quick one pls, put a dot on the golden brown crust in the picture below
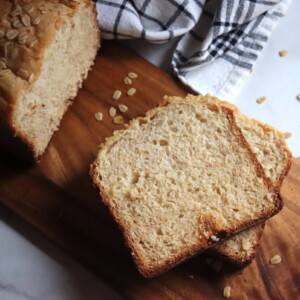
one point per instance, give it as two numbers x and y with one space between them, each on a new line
144 269
237 260
27 29
34 24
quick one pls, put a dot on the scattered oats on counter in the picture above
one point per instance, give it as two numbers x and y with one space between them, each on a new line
283 53
275 260
261 100
226 291
99 116
287 135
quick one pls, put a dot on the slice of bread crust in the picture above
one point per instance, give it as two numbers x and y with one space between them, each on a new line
167 219
270 148
239 249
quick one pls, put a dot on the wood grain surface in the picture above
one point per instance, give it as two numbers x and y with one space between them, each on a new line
58 198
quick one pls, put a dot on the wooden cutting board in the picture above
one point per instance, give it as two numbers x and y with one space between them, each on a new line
57 197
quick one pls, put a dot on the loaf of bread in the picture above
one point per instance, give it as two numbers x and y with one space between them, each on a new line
46 51
181 179
271 150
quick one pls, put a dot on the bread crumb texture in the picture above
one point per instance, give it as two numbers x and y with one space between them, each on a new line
271 151
177 177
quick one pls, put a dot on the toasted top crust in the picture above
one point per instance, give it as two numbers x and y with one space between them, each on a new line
27 28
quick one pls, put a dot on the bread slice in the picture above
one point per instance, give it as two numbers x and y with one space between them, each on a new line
271 151
46 51
180 179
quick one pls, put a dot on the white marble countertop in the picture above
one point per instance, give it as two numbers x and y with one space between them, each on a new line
34 268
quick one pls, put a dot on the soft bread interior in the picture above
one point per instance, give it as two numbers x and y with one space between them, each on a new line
66 63
241 246
175 178
268 145
271 151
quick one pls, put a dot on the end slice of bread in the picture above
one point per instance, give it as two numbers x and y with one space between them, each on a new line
44 67
179 180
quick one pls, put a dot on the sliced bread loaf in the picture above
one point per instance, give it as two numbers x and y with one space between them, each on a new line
271 151
46 51
180 179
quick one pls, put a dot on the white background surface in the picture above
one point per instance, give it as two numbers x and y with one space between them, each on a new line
33 268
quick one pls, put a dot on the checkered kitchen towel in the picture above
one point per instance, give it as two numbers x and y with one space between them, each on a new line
219 39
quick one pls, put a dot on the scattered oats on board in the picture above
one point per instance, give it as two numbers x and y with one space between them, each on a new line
127 80
118 120
261 99
123 108
283 53
287 135
99 116
117 94
226 291
132 75
131 91
275 260
112 111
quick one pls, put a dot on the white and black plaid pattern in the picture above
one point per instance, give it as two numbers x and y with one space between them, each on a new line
231 30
